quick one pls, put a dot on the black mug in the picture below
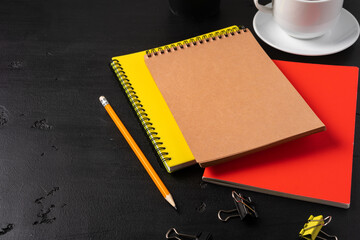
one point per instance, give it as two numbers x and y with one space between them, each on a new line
200 8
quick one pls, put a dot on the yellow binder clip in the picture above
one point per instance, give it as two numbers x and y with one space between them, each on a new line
313 227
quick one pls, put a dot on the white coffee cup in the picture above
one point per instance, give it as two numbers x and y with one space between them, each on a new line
304 19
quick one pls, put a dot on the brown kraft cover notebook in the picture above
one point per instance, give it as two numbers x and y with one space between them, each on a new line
228 97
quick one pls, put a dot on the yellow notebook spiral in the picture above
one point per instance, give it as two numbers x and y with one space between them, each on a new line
140 111
196 40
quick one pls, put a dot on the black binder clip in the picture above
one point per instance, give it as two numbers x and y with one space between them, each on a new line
244 207
173 234
313 227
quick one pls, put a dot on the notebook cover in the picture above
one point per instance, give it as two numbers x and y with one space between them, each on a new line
229 99
315 168
145 98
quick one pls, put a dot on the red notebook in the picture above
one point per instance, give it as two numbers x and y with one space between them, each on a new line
316 168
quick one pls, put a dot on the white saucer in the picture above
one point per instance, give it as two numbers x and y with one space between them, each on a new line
341 36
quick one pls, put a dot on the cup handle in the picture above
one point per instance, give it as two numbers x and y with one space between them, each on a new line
262 8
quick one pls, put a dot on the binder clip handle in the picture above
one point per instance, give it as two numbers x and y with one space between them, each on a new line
313 228
228 217
244 207
327 220
172 233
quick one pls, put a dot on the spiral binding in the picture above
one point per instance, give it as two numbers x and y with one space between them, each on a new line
140 111
195 41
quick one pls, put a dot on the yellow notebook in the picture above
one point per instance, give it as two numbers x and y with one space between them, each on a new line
150 106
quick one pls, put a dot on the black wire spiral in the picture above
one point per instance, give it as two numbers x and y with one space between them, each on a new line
140 111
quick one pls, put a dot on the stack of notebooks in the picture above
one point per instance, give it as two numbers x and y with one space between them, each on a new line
316 168
218 97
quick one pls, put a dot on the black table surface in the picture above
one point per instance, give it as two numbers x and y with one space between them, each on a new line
65 170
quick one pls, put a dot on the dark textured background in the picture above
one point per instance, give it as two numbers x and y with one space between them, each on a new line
75 177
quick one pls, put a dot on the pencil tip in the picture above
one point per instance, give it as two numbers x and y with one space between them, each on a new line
170 200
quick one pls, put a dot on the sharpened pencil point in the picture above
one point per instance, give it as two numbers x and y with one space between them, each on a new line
170 200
